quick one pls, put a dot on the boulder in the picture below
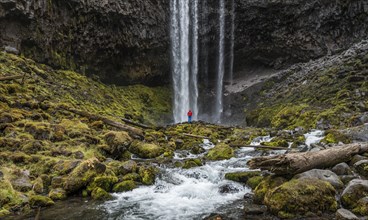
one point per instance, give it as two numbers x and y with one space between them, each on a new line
220 152
325 175
104 182
146 150
38 185
362 167
125 186
192 163
356 159
100 194
83 174
20 181
40 201
57 194
355 191
344 214
362 207
117 142
265 186
65 167
342 169
300 197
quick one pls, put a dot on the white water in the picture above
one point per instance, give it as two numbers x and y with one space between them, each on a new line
184 59
231 71
314 137
221 65
182 194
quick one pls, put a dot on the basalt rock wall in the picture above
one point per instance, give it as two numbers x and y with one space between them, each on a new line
120 41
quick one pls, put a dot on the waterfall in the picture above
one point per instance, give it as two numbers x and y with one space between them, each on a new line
221 65
231 68
184 55
194 67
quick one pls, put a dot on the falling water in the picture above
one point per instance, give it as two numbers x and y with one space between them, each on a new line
221 65
231 69
194 69
184 54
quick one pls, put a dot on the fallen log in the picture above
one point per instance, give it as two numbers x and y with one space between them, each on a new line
132 130
195 136
136 124
294 163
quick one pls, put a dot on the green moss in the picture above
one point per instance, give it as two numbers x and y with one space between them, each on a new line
4 212
192 163
242 177
146 150
8 196
334 136
220 152
148 175
40 201
299 197
276 142
57 194
125 186
266 186
132 176
104 182
253 182
362 207
100 194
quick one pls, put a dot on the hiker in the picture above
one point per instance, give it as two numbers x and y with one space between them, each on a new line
190 113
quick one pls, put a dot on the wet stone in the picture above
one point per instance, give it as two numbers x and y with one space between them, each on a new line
344 214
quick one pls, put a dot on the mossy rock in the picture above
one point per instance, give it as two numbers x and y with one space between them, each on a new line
361 207
146 150
100 194
253 182
40 201
104 182
362 167
4 212
83 174
58 194
354 191
220 152
125 186
297 198
148 175
276 142
242 177
39 130
117 142
8 196
335 137
266 186
192 163
38 185
132 176
65 167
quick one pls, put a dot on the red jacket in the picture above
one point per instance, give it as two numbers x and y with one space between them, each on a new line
190 113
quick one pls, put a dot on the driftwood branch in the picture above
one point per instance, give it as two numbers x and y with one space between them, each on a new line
300 162
5 78
136 124
132 130
260 147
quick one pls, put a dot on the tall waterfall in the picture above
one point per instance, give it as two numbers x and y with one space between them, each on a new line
184 77
221 65
231 69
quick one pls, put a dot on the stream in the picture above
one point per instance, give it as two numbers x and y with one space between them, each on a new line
177 193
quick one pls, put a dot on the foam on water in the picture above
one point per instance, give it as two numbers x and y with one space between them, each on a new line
182 194
314 137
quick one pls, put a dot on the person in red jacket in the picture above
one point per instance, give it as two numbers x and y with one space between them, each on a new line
190 114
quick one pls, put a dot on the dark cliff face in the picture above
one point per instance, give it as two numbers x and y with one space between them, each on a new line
278 33
121 41
128 41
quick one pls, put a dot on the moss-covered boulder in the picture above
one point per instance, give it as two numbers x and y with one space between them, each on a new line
301 197
83 174
40 201
57 194
276 142
192 163
147 174
253 182
4 212
362 167
355 190
335 137
266 186
39 130
8 196
361 207
65 167
132 176
146 150
220 152
100 194
117 142
242 177
38 185
124 186
104 182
